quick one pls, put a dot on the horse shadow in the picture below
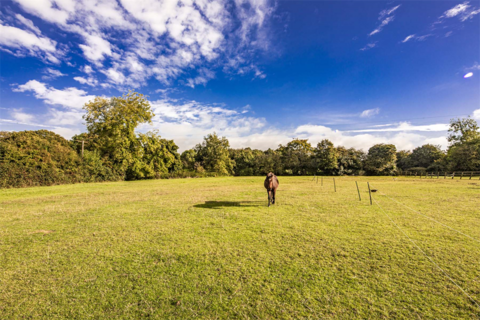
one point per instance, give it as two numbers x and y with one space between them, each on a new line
224 204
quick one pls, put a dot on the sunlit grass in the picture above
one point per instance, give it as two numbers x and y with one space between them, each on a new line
211 248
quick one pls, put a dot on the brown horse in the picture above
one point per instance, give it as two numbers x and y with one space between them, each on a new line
271 184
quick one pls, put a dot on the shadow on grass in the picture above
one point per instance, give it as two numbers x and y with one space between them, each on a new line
223 204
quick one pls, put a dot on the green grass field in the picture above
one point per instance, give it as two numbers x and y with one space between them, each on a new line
212 249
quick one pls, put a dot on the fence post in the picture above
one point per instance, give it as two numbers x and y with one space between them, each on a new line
358 190
369 192
470 176
334 185
461 176
453 175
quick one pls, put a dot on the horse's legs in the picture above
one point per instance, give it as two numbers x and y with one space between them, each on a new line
269 197
273 194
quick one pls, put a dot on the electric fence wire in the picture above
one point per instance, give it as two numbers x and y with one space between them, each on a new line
441 223
423 252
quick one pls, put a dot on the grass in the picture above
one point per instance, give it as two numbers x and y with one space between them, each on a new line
211 248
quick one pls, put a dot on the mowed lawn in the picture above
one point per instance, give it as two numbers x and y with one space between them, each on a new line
212 249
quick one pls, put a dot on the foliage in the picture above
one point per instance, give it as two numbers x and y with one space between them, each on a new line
403 160
463 130
464 156
295 156
381 160
112 150
157 156
111 125
213 155
426 156
350 161
325 157
188 159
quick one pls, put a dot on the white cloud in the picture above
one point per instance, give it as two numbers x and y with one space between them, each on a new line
468 75
463 11
476 66
96 48
412 36
416 38
402 140
476 114
91 81
387 12
71 98
204 75
405 126
87 69
455 11
28 43
52 74
131 41
370 113
28 23
386 17
382 25
369 46
20 116
187 122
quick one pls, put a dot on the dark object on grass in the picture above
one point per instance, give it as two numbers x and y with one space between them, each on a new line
374 190
271 184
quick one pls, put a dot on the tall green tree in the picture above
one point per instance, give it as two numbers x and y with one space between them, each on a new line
296 156
349 161
268 161
325 157
403 160
464 150
158 156
111 125
464 156
381 160
463 130
426 156
213 155
188 159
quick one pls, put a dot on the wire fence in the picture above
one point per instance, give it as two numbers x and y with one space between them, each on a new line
373 201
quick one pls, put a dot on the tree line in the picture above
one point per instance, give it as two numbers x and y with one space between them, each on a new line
111 150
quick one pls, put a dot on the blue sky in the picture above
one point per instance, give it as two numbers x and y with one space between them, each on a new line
259 72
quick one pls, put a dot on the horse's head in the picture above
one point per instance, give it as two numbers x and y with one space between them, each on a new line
270 175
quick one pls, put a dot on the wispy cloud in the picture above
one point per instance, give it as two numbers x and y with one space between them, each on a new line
386 16
370 113
414 37
52 74
462 11
408 38
369 46
405 126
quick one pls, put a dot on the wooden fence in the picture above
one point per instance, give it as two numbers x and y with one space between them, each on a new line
445 175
